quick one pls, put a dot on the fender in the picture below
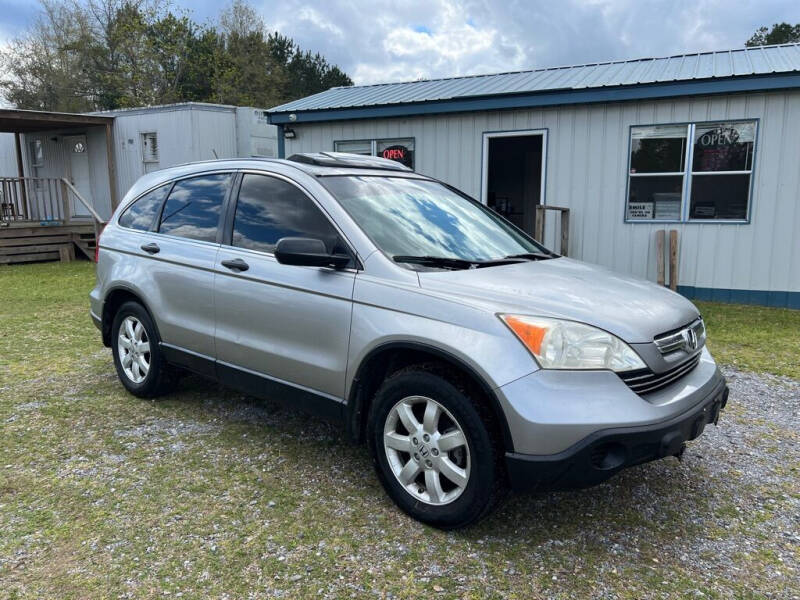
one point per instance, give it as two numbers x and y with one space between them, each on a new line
354 409
121 287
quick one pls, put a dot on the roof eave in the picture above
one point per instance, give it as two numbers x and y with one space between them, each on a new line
650 91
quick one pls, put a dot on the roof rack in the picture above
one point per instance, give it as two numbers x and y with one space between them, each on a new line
344 159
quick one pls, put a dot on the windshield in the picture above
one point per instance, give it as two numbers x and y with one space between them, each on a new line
419 218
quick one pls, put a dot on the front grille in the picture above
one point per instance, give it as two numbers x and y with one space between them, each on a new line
679 339
645 381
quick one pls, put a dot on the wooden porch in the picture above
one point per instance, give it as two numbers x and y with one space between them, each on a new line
43 219
47 218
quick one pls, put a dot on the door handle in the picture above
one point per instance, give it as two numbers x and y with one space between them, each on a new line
236 264
151 248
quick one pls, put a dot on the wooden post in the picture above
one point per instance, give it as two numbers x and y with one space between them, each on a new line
660 258
65 203
21 173
112 168
673 260
564 232
539 228
66 253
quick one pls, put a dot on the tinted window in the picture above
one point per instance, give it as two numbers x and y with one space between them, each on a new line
142 214
269 209
193 208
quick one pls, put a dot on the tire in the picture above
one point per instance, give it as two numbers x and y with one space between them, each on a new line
409 466
158 377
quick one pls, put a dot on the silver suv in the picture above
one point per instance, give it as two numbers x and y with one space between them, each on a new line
469 357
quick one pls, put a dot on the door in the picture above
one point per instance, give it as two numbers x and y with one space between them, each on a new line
280 324
513 175
179 257
79 173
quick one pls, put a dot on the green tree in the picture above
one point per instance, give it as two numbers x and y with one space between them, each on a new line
781 33
44 68
306 73
82 55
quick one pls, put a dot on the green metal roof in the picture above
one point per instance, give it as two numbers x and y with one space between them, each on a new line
750 64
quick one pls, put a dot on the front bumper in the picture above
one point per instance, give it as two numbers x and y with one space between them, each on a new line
603 453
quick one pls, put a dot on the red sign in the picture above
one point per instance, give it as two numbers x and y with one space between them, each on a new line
395 153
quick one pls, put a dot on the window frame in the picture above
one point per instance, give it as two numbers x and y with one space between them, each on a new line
377 140
230 215
143 136
688 172
36 151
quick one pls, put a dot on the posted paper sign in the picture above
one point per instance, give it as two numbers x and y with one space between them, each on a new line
640 210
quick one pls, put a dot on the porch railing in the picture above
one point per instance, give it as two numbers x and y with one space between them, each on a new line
33 199
42 199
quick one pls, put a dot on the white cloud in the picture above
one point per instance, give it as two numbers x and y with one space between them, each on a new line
382 40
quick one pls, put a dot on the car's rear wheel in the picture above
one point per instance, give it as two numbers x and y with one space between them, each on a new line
432 448
137 356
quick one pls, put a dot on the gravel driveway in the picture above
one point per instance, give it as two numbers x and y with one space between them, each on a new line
207 494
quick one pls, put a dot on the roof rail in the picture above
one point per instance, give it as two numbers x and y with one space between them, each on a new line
344 159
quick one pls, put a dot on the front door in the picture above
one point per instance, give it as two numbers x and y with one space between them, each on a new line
284 329
79 175
513 175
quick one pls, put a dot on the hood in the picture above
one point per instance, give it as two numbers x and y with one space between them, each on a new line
632 309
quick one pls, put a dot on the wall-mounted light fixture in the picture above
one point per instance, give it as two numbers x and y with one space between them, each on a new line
289 134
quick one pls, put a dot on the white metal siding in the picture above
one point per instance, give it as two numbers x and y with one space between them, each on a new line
254 135
587 168
184 135
8 155
56 160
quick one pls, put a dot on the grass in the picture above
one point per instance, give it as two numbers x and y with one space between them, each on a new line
754 338
206 493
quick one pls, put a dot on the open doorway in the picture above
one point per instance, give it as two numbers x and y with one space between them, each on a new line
513 174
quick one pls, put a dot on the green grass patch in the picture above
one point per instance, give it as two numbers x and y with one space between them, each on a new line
754 338
206 493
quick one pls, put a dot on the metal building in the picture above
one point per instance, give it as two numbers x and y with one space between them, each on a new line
62 174
704 144
102 154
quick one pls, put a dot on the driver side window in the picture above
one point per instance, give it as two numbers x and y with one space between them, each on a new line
269 209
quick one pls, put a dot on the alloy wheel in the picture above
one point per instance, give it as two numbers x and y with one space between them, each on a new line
133 348
427 450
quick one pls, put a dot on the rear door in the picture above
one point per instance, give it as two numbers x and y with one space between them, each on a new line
281 328
180 251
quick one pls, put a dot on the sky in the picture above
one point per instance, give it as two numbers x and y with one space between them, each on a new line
378 41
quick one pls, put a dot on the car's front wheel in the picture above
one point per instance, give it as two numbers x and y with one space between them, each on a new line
432 448
137 356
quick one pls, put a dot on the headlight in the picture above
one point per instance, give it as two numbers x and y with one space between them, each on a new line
558 344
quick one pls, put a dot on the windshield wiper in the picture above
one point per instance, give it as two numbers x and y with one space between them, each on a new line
448 262
532 256
445 262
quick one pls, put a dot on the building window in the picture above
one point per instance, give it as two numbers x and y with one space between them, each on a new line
398 149
150 147
691 172
37 153
354 147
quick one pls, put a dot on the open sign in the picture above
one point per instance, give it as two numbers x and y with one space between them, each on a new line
399 153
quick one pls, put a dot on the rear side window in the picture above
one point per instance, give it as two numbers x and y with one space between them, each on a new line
142 214
194 206
269 209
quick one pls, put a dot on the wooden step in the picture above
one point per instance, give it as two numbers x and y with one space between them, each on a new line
26 258
29 242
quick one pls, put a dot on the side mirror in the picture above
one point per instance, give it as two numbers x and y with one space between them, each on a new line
308 252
